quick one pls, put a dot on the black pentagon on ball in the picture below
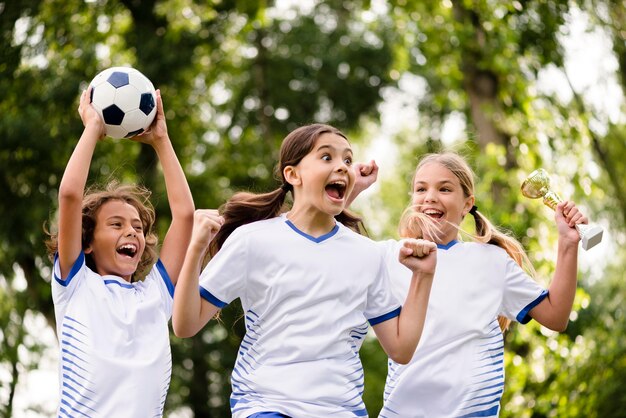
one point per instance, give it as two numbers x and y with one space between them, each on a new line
118 79
113 115
133 133
146 104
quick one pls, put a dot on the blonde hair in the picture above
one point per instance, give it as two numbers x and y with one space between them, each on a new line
417 225
94 198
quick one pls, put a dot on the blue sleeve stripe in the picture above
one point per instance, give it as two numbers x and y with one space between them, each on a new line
77 265
524 317
165 276
385 317
210 298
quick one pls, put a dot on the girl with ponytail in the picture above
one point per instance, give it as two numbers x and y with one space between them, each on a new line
480 286
309 285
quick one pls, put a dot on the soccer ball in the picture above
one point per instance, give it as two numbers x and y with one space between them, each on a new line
125 99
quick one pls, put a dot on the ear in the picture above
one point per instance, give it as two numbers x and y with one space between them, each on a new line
292 175
88 250
469 202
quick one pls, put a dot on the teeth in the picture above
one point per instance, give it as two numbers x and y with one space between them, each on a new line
432 212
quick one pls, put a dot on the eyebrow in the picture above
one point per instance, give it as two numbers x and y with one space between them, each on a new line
321 147
439 183
118 217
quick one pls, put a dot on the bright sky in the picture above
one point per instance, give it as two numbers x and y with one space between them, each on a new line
591 68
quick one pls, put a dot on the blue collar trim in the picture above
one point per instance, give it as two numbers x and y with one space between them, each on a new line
311 237
448 245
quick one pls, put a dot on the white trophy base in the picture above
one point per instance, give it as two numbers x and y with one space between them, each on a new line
590 235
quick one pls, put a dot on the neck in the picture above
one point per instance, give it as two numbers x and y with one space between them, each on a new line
311 220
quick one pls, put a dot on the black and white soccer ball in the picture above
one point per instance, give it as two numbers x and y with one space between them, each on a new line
125 99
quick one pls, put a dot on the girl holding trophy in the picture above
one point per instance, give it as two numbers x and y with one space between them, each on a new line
458 367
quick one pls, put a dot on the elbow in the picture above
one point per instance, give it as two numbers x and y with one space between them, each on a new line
400 358
561 326
182 331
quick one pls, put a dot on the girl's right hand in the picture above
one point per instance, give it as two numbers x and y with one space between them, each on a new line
419 255
88 114
206 224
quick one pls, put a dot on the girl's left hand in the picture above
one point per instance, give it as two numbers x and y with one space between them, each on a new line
158 129
365 175
567 216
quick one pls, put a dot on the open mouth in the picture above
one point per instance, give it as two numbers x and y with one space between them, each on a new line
433 213
336 189
127 250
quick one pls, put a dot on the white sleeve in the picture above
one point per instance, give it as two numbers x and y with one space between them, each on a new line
223 279
62 290
382 303
162 280
521 293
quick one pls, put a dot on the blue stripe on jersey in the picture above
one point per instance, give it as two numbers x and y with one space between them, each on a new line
491 412
447 246
210 298
523 317
269 415
488 381
123 285
75 268
166 277
385 317
311 237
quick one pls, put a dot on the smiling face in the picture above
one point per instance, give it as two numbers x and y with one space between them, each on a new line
438 193
324 178
118 240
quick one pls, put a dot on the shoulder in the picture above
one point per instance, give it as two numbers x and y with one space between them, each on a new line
258 227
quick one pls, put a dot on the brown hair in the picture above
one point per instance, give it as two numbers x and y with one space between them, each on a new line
94 198
413 223
246 207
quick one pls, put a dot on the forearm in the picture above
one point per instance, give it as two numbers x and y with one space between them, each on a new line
562 290
77 170
187 312
71 190
410 322
178 192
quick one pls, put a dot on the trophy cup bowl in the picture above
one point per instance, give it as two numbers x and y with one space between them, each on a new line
537 185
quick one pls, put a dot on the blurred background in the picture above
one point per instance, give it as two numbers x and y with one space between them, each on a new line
513 85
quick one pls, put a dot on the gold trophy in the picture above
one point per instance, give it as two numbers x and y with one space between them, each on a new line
537 185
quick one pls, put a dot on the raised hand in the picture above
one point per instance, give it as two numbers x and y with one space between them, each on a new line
158 129
419 255
206 224
89 115
567 216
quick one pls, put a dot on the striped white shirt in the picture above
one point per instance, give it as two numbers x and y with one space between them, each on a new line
458 367
307 303
115 358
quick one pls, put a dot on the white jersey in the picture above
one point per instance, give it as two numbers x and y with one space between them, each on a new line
115 358
458 367
307 303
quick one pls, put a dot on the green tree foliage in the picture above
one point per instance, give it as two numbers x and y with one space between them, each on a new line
237 75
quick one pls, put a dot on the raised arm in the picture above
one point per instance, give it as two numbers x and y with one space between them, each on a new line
553 312
178 194
72 186
365 176
192 312
399 336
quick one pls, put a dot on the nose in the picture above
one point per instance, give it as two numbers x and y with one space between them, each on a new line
130 231
430 195
342 167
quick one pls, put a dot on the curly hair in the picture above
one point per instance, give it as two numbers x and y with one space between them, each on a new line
95 196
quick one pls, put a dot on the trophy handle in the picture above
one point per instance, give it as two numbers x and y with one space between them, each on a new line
590 235
551 199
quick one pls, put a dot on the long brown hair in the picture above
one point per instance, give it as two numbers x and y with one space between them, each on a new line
245 207
413 224
94 198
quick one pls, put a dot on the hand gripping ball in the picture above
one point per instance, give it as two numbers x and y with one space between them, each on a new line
125 99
